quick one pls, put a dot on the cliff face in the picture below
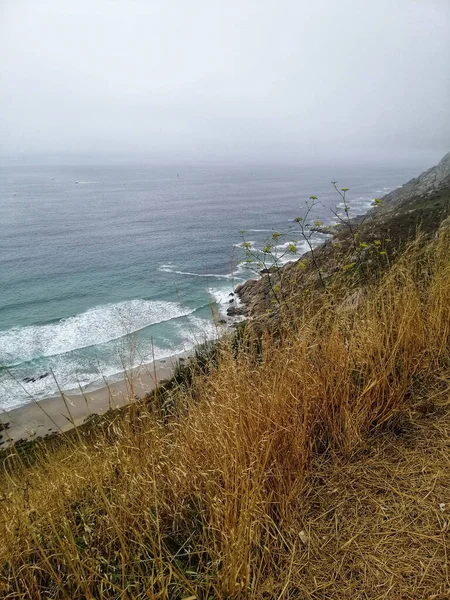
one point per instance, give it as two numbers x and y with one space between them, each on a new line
422 202
429 182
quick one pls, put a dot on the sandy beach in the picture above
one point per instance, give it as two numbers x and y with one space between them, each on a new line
40 418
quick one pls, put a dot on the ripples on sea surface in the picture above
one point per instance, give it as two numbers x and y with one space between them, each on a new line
98 258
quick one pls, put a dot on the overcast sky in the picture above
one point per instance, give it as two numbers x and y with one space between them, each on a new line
255 79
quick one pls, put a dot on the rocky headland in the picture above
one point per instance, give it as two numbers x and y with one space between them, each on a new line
420 206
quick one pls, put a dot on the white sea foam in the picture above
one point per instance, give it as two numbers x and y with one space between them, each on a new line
196 330
229 276
357 207
282 247
251 244
95 326
220 295
171 269
73 373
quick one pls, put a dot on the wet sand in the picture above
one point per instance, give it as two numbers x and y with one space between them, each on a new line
58 414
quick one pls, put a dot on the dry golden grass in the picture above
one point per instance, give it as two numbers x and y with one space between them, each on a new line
311 466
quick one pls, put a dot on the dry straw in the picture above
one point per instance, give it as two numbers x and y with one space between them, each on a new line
315 465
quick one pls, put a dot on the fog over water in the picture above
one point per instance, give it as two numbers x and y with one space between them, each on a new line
216 80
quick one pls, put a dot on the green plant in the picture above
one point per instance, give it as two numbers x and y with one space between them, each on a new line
269 260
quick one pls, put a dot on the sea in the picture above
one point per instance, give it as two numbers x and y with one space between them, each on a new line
106 264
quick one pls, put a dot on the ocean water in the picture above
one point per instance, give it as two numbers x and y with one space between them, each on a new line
105 264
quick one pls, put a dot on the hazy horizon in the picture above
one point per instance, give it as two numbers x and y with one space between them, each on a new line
249 82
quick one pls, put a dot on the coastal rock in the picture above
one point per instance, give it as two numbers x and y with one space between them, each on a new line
432 180
244 291
272 269
235 311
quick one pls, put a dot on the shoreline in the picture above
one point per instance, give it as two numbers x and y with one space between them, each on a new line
58 414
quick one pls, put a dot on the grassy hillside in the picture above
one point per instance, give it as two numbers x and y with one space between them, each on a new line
310 462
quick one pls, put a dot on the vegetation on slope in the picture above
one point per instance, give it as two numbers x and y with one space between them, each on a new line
361 248
310 462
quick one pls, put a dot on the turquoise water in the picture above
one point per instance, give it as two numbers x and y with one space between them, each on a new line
96 259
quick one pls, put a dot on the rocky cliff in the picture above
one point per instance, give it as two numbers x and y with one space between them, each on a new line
421 203
429 182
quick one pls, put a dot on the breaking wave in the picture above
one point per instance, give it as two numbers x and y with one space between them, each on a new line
95 326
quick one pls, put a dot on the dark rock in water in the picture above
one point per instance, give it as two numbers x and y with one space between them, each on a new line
222 322
33 379
235 311
181 359
231 294
231 301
